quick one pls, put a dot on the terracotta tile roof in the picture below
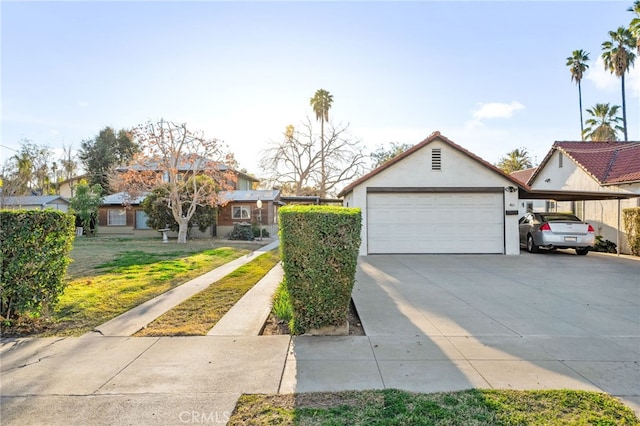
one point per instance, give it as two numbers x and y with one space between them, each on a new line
434 136
523 175
608 162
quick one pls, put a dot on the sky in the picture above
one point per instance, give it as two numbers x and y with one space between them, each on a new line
490 76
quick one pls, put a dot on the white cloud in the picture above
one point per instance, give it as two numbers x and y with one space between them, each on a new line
496 110
604 80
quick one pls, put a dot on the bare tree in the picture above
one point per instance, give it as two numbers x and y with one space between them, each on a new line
296 161
178 158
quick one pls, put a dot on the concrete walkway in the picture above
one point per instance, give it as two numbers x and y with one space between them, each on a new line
132 321
433 323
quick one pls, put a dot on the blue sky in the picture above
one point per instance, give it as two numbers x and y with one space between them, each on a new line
491 76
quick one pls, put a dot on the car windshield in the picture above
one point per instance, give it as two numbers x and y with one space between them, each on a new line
558 218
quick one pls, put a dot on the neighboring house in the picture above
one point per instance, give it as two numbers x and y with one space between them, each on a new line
67 187
119 215
242 207
436 197
36 202
526 206
593 168
310 200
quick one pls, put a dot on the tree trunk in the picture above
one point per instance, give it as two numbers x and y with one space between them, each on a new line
581 121
182 230
624 111
323 178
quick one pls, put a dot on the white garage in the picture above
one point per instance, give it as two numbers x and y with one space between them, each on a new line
436 198
435 223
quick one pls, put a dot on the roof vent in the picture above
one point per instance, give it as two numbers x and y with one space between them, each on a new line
436 159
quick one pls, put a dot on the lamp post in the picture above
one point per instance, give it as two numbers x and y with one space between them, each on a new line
259 205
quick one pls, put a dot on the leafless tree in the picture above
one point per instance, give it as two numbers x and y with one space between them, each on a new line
296 161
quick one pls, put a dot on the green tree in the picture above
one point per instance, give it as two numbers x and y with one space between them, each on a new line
102 154
29 172
577 64
85 204
634 25
156 205
618 59
603 124
381 155
518 159
321 103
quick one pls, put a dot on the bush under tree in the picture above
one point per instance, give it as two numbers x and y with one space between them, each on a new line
631 218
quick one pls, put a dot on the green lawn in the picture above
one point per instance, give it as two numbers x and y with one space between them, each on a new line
466 408
109 276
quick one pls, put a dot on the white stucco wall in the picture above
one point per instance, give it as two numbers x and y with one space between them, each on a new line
458 170
602 214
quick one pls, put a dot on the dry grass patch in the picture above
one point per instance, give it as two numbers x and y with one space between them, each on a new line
198 314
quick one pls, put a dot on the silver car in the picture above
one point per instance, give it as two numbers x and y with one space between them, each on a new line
555 231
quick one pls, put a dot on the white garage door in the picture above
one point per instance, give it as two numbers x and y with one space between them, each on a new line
435 223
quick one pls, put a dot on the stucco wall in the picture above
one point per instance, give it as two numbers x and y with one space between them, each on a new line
458 170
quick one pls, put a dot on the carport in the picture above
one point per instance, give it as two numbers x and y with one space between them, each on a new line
579 196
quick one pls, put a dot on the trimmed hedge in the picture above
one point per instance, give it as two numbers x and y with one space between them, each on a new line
319 246
631 218
35 246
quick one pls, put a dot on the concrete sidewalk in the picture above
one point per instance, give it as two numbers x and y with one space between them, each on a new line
433 324
132 321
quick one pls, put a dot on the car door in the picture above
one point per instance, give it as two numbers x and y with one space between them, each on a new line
524 225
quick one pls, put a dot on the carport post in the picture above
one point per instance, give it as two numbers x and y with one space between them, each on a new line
618 230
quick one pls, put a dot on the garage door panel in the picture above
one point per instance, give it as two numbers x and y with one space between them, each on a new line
435 223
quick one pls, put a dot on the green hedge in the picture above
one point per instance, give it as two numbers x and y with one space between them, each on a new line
35 246
319 247
631 218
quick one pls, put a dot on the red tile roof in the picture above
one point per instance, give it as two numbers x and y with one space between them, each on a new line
608 162
523 175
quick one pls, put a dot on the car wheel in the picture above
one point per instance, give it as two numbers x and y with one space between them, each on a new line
582 251
531 247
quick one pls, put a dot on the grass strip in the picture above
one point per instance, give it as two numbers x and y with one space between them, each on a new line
198 314
470 407
126 283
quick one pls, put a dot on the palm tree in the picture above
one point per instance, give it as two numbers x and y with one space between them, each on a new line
518 159
577 64
321 103
603 124
634 26
618 59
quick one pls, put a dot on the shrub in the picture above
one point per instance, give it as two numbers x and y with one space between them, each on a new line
35 248
319 255
631 218
282 303
242 231
604 246
255 228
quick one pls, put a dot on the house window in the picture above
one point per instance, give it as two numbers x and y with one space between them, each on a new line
141 220
436 159
559 161
116 217
241 212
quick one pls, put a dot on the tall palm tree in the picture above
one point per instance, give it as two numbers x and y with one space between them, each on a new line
321 103
618 59
634 26
577 64
603 124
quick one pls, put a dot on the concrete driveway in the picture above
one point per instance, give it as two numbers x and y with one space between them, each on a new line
442 323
